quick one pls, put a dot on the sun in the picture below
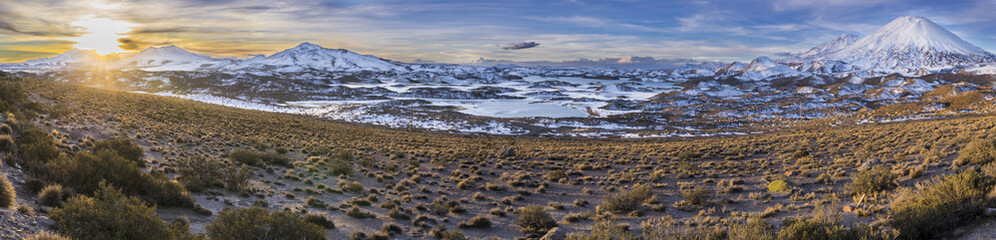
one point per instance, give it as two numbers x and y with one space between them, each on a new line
102 34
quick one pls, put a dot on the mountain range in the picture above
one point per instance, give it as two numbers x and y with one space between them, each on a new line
910 46
910 63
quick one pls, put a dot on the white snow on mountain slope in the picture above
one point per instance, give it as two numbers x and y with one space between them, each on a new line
826 48
170 58
907 45
765 68
75 57
307 56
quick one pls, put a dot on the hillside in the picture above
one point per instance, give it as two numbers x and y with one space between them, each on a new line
424 182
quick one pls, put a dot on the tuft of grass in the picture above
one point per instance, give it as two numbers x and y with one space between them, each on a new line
627 200
476 222
779 186
320 219
7 193
52 195
695 196
46 236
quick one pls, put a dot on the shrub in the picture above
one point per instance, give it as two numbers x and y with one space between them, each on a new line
199 173
977 152
556 175
628 200
123 147
109 214
52 195
442 234
826 223
274 158
873 180
342 164
476 222
46 236
535 219
6 143
357 213
7 193
667 228
754 229
944 203
320 219
37 149
246 156
779 186
351 187
695 196
396 213
604 229
259 223
237 178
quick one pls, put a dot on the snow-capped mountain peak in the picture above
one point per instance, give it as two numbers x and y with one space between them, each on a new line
909 44
169 58
915 33
307 56
68 58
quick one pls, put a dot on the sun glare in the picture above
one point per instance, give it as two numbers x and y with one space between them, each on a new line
102 34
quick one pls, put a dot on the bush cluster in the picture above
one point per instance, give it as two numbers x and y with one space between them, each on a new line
947 202
873 180
258 159
109 214
977 152
535 219
85 171
259 223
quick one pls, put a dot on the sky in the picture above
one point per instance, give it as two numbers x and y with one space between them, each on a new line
461 31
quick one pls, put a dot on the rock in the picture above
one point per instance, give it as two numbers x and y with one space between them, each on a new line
508 152
848 208
991 212
958 232
555 234
867 165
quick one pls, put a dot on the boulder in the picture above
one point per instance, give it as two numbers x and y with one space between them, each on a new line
555 234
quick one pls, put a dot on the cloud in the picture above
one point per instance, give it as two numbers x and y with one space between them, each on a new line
521 45
634 62
784 5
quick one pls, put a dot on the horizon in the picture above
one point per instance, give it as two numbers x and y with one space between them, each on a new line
792 27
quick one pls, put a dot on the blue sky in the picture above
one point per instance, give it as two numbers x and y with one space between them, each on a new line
462 31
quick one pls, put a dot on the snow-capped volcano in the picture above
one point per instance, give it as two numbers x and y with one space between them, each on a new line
170 58
307 56
907 44
74 57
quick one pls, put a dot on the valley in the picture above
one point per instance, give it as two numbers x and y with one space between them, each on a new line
887 136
